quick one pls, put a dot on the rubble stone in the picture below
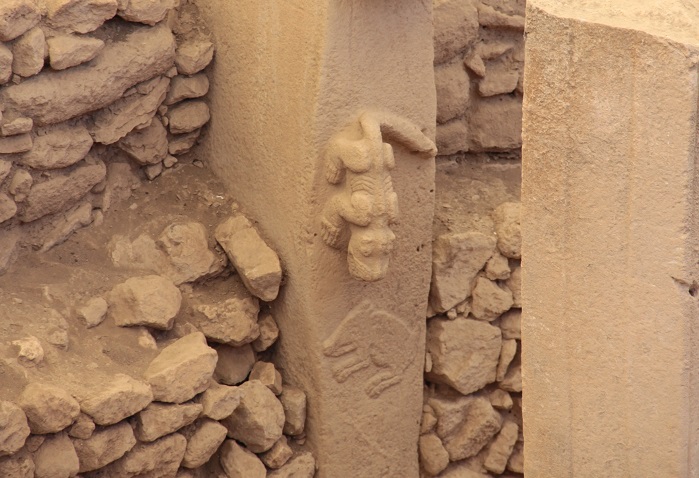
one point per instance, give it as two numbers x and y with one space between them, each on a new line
77 217
278 455
81 16
149 12
110 403
160 419
152 301
500 79
193 56
508 229
187 87
258 421
302 465
511 324
500 399
182 369
232 321
5 63
181 143
19 465
188 116
16 144
234 363
433 457
49 409
265 373
219 401
452 137
20 184
514 283
294 403
241 463
104 446
497 267
158 459
31 352
14 429
455 28
516 461
203 442
66 51
16 17
269 332
147 145
17 126
512 382
495 124
187 248
8 208
489 300
57 147
93 311
499 451
82 428
453 88
507 353
56 458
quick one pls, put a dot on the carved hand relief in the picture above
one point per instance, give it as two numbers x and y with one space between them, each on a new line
373 340
366 206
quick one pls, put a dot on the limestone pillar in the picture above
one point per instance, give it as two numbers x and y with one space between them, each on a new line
323 118
611 239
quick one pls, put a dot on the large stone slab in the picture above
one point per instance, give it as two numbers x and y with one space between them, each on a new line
610 236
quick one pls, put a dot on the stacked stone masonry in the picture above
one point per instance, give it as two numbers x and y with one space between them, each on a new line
93 94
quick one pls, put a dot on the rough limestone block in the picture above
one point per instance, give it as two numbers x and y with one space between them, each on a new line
188 116
238 462
508 229
500 449
8 208
498 268
181 143
182 369
66 51
58 147
93 312
28 53
152 301
149 12
83 427
203 442
81 16
49 409
186 245
514 283
269 332
160 419
159 458
433 457
495 124
294 403
5 64
265 373
110 403
56 458
456 260
452 137
500 79
489 300
302 465
258 421
187 87
219 401
455 27
234 363
193 56
16 17
17 126
511 324
14 429
453 88
31 353
232 321
464 353
19 465
104 446
147 145
142 54
278 455
16 144
20 184
507 354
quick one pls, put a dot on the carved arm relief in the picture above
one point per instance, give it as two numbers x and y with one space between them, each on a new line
360 214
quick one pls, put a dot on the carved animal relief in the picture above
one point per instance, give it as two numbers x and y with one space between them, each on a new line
366 206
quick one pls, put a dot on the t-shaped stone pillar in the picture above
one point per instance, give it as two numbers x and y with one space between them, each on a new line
611 239
323 116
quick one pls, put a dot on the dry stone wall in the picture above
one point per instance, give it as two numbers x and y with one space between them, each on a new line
96 96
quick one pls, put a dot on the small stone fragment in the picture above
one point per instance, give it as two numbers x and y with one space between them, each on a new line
267 375
489 300
49 409
31 353
237 462
28 53
82 428
233 321
16 144
495 124
8 208
500 79
181 143
104 446
269 332
453 88
20 184
433 457
169 161
514 283
455 28
203 442
81 16
234 363
79 216
497 267
93 311
257 264
429 420
149 12
17 126
158 459
187 248
500 399
5 63
188 116
258 421
66 51
153 301
507 353
14 429
56 458
219 401
160 419
16 17
182 369
516 461
19 465
302 465
193 56
5 168
499 451
294 403
187 87
511 324
152 171
452 137
278 455
110 403
148 146
508 229
512 382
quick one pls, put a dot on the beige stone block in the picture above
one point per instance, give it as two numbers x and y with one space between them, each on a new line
16 17
495 124
455 28
453 91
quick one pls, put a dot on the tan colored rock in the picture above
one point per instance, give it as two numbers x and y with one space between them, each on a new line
182 369
257 264
187 248
77 217
57 147
110 403
28 53
514 283
56 458
19 465
267 374
169 160
16 17
462 469
188 116
499 451
153 301
269 332
81 16
49 409
495 124
149 12
133 111
241 463
5 168
141 55
428 421
498 268
20 184
57 193
187 87
456 260
202 442
93 312
294 403
82 428
507 354
219 401
234 363
453 88
278 455
258 421
152 171
8 248
455 28
8 208
508 229
232 321
464 353
158 459
511 324
66 51
512 382
302 465
181 143
489 300
14 429
104 446
160 419
499 79
148 146
516 461
452 137
488 16
433 457
16 144
31 353
193 56
5 64
500 399
17 126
